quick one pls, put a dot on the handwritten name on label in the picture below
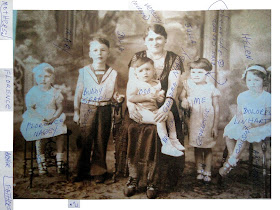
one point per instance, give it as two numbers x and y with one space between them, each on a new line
202 128
121 38
243 138
247 45
6 90
190 32
6 19
141 12
73 203
8 159
66 47
8 191
153 13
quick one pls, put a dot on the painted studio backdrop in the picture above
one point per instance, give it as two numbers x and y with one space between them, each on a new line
230 40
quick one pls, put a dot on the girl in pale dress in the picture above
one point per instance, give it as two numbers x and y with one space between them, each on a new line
202 100
44 118
252 123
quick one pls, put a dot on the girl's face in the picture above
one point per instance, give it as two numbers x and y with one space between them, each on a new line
254 83
155 42
44 79
98 52
145 72
198 75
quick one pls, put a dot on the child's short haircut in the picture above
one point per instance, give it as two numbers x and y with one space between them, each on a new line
141 61
43 67
201 63
101 40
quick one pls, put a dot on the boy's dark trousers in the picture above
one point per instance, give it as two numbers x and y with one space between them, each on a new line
95 125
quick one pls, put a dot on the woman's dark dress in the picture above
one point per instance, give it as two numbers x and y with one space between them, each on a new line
143 143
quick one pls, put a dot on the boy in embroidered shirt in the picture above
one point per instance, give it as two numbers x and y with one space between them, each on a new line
96 87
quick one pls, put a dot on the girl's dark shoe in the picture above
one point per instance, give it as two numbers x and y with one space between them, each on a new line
99 179
130 188
151 192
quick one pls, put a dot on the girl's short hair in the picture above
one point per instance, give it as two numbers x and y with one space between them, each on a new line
201 63
257 70
141 61
43 67
101 40
157 28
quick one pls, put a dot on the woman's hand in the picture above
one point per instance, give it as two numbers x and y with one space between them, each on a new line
161 96
76 117
161 115
185 104
133 113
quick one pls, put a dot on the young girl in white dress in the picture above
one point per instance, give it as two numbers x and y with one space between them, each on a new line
145 91
252 123
44 118
201 98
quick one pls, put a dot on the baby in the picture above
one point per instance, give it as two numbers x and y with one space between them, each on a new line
145 93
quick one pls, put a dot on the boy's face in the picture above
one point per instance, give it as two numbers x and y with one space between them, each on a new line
98 52
198 75
44 79
145 72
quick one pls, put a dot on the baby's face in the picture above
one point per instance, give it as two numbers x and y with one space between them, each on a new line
253 82
98 52
198 75
44 79
145 72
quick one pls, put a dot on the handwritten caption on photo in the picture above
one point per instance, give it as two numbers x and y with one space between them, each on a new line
6 85
6 13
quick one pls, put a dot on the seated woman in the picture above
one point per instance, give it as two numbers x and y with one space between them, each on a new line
145 162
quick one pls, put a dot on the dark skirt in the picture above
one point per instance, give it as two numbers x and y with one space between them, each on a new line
144 152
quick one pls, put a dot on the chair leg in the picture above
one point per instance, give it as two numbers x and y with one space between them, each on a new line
264 168
31 165
250 160
67 157
25 160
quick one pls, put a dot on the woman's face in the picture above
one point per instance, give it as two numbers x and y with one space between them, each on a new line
254 83
155 42
98 52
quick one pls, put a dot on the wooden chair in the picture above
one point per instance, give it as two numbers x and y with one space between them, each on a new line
254 168
49 155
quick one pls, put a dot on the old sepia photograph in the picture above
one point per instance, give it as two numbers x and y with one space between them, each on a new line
142 104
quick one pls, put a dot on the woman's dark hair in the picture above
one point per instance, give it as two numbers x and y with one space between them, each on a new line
141 61
158 29
201 63
100 40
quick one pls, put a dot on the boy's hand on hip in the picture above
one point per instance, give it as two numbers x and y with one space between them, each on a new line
76 118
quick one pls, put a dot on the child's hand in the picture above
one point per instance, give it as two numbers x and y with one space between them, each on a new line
160 96
76 117
151 97
214 133
120 98
49 120
185 104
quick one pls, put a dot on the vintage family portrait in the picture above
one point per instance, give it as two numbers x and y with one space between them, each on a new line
142 104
